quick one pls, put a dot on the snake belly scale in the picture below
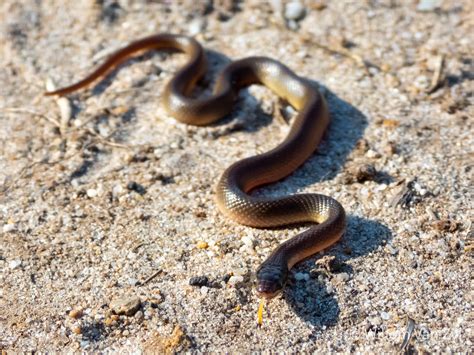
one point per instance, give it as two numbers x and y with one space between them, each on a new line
233 189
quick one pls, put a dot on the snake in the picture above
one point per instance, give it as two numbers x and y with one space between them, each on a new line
233 193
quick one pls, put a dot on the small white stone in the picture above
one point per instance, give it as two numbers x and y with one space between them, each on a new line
196 26
342 277
9 227
13 264
422 82
384 315
293 25
372 154
235 280
211 243
248 241
91 193
84 343
428 5
117 190
205 290
104 131
66 220
132 281
294 10
240 271
364 191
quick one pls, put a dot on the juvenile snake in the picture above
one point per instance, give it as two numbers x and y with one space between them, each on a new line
233 190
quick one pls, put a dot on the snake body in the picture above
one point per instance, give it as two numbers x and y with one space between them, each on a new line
233 189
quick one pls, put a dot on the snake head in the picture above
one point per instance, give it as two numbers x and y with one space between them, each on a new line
271 279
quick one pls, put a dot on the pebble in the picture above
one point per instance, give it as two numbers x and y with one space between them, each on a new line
365 172
9 227
76 313
77 330
342 277
428 5
104 130
14 264
117 190
233 280
364 192
372 154
240 271
421 191
202 245
133 281
445 225
127 305
248 241
293 25
384 315
91 193
294 10
198 281
196 26
204 290
134 186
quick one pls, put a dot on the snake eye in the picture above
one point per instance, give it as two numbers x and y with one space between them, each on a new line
270 280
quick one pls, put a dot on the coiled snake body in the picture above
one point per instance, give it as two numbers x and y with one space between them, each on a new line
232 193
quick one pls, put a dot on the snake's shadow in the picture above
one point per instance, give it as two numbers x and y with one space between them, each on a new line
315 300
312 302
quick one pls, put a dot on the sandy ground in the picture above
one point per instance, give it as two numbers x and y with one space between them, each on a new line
106 203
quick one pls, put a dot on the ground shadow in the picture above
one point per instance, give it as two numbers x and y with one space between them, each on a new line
313 303
345 130
93 331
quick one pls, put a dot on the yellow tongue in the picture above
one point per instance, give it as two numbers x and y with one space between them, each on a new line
260 312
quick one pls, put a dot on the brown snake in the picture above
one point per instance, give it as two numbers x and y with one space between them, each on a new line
233 198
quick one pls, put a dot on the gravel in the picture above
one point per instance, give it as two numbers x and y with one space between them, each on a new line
294 10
